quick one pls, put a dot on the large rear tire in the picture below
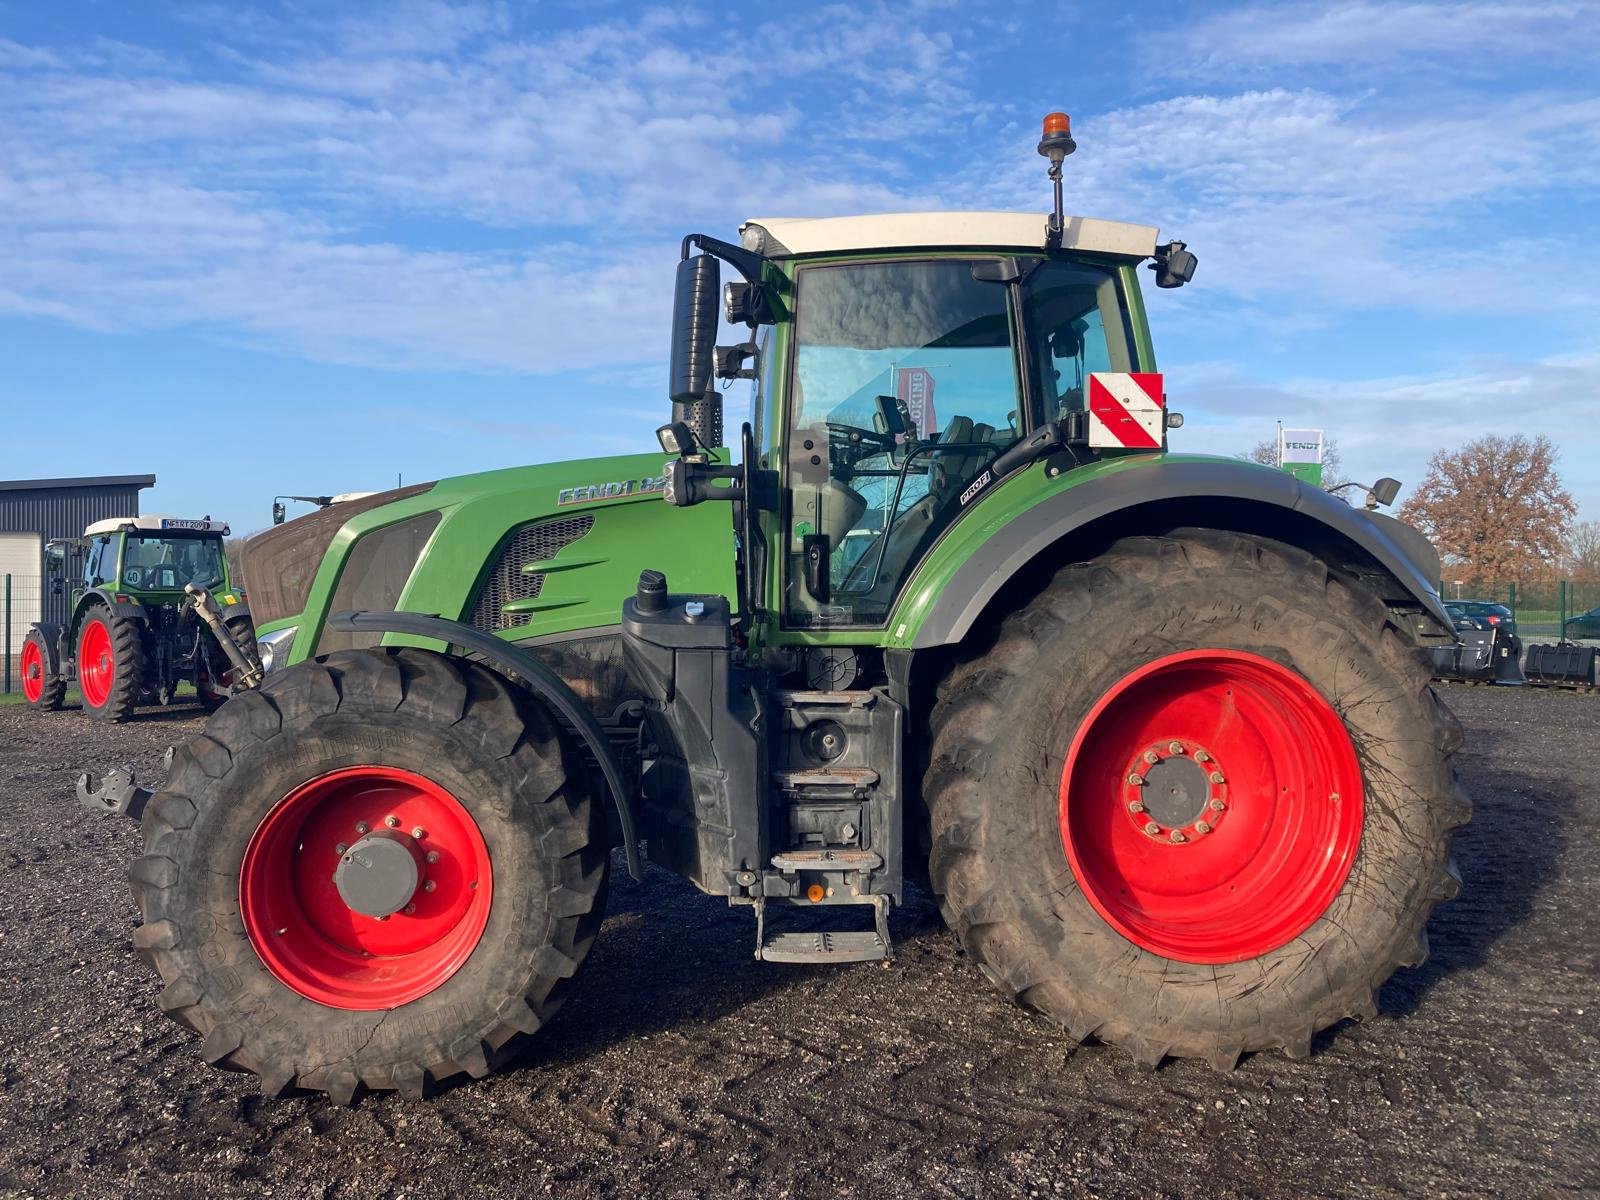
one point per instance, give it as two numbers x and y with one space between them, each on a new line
40 688
1194 800
273 857
110 664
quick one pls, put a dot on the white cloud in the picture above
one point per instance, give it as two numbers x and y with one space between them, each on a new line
1370 32
441 186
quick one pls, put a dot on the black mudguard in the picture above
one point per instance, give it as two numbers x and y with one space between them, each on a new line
53 634
1194 492
534 675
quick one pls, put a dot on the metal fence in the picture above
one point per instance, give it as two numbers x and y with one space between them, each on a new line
1544 608
20 599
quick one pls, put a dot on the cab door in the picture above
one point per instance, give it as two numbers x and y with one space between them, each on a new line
905 382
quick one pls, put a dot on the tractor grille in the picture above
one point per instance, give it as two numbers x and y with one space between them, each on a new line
506 581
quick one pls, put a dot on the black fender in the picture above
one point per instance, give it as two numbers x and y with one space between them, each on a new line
51 633
232 612
531 673
1166 494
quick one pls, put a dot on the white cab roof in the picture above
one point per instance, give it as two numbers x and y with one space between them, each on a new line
157 522
785 237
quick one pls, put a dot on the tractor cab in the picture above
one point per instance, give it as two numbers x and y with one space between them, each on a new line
154 554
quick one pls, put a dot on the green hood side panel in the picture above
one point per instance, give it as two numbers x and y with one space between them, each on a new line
587 580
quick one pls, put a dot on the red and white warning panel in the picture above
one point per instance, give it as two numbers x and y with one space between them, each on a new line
1127 410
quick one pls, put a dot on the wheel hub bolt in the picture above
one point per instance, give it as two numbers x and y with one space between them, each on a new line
1216 777
410 910
431 857
1136 806
1217 806
1177 836
1135 779
1151 757
392 821
1152 828
1175 746
340 848
419 832
1201 756
1202 827
429 885
363 827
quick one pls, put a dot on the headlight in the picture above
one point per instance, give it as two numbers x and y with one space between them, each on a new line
274 647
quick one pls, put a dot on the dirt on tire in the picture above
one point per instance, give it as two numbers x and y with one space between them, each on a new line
682 1067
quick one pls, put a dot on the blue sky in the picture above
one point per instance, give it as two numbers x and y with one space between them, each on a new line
421 239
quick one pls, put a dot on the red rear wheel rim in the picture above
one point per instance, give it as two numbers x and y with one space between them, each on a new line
32 672
1211 806
97 665
316 944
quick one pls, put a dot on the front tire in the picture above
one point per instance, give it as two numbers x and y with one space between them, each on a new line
1195 800
272 858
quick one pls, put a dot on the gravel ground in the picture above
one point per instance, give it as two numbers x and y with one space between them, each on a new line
681 1067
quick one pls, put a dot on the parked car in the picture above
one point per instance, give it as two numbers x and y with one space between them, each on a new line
1584 625
1461 619
1489 615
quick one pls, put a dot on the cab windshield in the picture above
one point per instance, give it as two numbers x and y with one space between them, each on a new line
907 382
167 562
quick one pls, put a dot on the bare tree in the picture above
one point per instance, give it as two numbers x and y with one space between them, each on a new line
1583 551
1495 507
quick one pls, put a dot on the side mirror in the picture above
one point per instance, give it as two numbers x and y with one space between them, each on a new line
694 328
1174 265
1384 491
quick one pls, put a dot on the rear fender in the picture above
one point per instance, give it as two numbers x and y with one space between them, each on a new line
1077 521
125 609
52 634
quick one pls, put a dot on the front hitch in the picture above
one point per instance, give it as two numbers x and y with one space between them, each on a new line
118 794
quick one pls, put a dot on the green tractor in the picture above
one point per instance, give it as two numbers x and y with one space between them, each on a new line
1154 729
152 606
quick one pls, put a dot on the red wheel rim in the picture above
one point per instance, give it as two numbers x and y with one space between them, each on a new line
313 941
97 664
1211 806
32 672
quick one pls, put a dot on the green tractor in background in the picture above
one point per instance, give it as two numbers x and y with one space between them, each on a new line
1155 729
153 605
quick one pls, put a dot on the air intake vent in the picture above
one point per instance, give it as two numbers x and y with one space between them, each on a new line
507 582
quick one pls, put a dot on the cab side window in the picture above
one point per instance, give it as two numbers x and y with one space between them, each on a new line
99 563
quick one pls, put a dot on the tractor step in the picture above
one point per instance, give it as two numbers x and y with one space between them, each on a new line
824 946
827 777
797 699
828 860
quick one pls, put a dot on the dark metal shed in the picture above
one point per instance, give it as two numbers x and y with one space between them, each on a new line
55 508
